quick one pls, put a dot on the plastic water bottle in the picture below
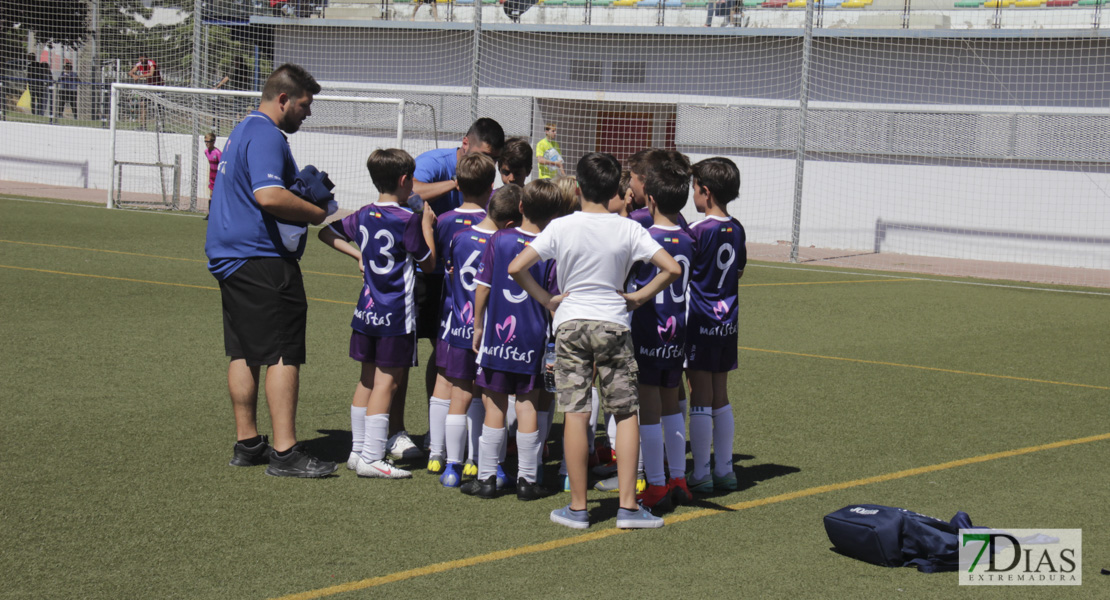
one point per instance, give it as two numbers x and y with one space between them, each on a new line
549 368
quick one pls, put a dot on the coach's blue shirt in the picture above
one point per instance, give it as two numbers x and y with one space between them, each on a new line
438 165
256 156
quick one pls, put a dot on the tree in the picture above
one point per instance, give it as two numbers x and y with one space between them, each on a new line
63 22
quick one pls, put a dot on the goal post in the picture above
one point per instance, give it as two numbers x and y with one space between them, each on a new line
156 155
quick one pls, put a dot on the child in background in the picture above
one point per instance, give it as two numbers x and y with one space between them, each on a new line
391 240
510 339
595 250
718 264
549 154
463 256
640 165
213 154
475 174
659 333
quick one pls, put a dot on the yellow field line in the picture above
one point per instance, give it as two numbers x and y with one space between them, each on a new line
922 368
824 282
673 520
193 260
171 284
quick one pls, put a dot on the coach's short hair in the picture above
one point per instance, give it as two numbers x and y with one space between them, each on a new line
599 176
475 174
504 206
487 131
289 79
387 165
516 154
720 175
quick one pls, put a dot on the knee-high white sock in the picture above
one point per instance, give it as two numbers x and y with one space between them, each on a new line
437 417
701 436
674 444
493 440
475 414
651 446
455 434
595 405
377 433
510 416
527 452
358 428
682 409
723 431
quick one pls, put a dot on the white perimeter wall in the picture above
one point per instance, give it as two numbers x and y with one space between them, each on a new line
841 201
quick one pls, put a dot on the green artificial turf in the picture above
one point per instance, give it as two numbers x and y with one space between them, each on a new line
115 432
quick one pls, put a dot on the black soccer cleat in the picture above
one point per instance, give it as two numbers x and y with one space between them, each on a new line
530 491
482 488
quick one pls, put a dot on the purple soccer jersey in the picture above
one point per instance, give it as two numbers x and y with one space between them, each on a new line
515 325
391 241
719 257
659 326
448 225
463 258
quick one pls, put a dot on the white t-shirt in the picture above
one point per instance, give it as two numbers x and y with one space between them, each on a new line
594 254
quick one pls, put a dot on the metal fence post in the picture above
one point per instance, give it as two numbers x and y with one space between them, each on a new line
800 148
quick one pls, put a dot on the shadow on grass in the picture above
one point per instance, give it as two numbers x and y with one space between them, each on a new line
333 445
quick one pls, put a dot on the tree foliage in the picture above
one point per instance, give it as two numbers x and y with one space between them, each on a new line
63 22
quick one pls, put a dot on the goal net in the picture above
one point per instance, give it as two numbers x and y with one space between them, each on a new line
157 149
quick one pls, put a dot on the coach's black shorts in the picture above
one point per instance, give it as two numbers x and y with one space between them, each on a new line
429 304
264 312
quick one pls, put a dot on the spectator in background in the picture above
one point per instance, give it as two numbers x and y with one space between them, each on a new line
549 155
38 74
238 79
435 11
145 72
67 94
720 8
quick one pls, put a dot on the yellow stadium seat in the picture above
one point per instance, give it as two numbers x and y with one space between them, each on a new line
997 3
625 2
856 4
1030 3
796 4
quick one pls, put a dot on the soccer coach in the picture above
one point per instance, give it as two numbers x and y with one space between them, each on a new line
264 304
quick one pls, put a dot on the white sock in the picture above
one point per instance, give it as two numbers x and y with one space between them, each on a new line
595 405
377 434
651 447
527 452
544 419
489 448
358 428
510 417
437 416
723 431
475 414
682 409
701 436
455 433
611 430
674 444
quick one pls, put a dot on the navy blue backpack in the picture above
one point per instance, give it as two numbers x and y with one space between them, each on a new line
896 537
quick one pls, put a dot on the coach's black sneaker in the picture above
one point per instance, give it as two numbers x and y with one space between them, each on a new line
298 463
250 456
483 488
530 491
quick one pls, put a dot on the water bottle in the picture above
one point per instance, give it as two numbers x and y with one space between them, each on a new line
549 368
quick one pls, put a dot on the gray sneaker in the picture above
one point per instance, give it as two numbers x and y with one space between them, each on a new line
250 456
641 518
299 463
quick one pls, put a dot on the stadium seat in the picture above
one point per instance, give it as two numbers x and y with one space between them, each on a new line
830 3
624 2
648 3
856 3
775 3
997 3
1030 3
1053 3
1091 2
968 3
753 3
696 3
796 4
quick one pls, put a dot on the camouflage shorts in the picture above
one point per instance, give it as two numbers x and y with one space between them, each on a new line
582 344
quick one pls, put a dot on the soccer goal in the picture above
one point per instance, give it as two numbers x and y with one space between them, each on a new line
157 151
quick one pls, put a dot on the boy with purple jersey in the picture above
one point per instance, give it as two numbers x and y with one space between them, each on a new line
658 333
475 176
510 351
640 165
718 264
391 240
463 256
595 251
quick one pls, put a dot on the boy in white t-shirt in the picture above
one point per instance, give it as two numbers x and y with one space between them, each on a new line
595 251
